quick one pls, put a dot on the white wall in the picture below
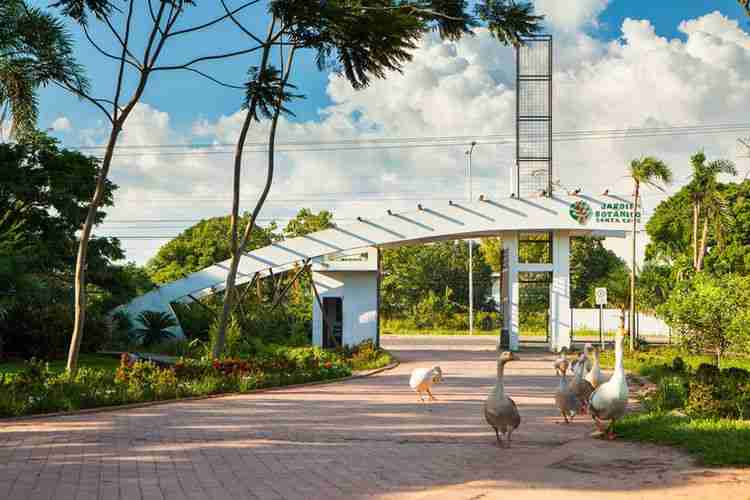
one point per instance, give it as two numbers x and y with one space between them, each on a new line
588 319
359 293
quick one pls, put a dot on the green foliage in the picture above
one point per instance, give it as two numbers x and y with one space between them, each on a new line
713 442
707 313
650 171
669 230
671 393
412 272
492 251
155 327
306 222
43 195
38 389
35 50
200 246
591 263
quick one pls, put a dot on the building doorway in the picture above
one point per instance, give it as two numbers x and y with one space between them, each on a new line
534 306
333 322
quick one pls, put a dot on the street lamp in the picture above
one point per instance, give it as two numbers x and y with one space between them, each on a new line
471 245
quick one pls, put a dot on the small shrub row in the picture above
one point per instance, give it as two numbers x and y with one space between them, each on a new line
706 393
37 389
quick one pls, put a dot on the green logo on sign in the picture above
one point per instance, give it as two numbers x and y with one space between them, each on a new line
581 211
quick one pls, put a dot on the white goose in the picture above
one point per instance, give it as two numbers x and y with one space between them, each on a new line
499 410
595 376
609 401
422 379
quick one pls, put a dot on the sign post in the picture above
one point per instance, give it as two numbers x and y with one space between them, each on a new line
601 301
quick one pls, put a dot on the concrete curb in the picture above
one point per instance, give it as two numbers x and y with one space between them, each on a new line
146 404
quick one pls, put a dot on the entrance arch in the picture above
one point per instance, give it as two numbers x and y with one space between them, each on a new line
430 222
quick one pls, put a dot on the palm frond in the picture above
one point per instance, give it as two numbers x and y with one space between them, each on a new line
35 50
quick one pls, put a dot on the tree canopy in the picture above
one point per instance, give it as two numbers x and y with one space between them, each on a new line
201 246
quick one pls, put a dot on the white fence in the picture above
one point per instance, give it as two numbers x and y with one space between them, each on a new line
588 319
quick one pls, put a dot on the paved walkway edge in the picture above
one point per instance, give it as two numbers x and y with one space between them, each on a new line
145 404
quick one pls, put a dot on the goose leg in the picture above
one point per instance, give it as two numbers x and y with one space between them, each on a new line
507 439
497 435
421 397
432 398
611 430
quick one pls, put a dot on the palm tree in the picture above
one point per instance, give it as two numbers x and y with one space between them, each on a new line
647 171
35 50
156 327
704 190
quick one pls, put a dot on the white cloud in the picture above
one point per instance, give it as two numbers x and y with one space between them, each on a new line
460 89
570 15
62 124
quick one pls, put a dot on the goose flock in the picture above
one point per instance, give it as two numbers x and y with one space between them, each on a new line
586 393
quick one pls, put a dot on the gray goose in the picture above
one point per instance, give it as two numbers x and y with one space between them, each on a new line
581 387
499 410
565 399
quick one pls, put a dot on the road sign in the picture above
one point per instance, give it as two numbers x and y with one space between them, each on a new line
601 296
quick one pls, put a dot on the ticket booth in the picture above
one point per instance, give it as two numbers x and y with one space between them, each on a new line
345 307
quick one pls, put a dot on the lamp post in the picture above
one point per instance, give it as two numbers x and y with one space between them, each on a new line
471 246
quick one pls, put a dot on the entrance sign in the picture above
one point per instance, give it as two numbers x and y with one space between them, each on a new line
601 296
618 213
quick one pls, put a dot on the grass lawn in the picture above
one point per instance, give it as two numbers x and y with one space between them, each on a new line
713 442
384 358
433 331
87 360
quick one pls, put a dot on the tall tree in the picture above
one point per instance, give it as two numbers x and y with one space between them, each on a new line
367 40
590 263
35 51
199 246
138 57
44 192
646 171
306 222
707 201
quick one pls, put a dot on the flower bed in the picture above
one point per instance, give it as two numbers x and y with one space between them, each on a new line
37 389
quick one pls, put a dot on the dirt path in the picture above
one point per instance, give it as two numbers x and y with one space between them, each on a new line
366 438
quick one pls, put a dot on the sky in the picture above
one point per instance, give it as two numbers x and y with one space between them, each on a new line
619 64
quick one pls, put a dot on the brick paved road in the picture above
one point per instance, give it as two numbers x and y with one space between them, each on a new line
358 439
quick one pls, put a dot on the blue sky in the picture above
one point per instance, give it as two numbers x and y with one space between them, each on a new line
186 97
619 64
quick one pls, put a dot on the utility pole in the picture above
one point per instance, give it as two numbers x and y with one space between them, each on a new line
471 246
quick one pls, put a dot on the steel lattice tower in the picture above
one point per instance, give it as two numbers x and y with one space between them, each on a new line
533 172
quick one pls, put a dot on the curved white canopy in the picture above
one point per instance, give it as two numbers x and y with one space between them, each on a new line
431 221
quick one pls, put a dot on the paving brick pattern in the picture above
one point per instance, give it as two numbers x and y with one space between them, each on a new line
366 438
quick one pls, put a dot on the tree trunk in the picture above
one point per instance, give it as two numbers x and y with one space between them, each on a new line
83 246
696 213
632 270
237 254
234 217
702 250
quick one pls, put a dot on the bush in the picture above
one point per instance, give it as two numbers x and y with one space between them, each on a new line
671 393
718 393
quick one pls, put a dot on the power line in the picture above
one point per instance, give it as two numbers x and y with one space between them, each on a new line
456 140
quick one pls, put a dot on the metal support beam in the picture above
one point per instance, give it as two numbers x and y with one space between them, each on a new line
283 293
